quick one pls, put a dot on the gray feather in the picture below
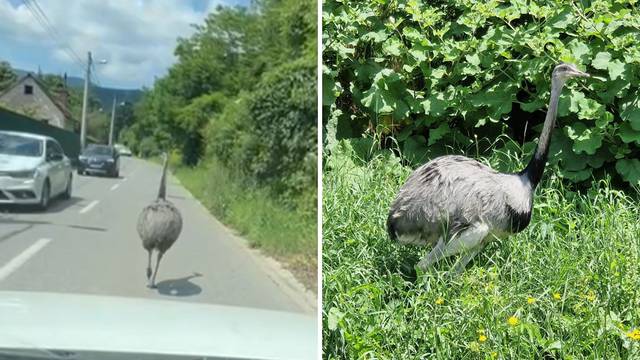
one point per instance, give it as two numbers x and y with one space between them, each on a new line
159 225
450 193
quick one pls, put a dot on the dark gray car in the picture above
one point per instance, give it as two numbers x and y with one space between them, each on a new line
99 159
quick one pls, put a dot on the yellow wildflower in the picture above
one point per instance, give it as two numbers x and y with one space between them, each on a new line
439 301
635 334
482 338
513 321
557 296
530 300
494 355
591 296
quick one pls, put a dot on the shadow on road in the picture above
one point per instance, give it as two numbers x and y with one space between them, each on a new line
31 223
57 205
179 287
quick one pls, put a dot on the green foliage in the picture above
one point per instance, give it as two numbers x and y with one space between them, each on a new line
283 118
244 85
269 225
424 75
577 261
268 135
192 118
7 76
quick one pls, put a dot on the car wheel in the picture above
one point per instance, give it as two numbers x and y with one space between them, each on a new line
67 193
45 196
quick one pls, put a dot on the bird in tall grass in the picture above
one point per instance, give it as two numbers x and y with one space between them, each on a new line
159 225
457 204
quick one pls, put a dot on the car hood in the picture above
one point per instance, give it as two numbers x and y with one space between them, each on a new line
18 163
47 323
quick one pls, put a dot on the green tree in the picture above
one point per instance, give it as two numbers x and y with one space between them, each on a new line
7 76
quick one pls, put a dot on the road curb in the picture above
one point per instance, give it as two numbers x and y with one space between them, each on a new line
275 270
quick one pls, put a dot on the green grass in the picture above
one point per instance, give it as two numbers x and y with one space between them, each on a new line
286 234
582 247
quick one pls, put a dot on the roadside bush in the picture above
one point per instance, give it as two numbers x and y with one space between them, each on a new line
422 75
283 113
191 119
147 147
269 134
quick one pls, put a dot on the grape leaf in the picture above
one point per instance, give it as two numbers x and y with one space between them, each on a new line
616 68
629 169
437 133
632 115
584 139
628 134
601 61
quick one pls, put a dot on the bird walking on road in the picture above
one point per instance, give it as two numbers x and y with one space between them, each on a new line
456 204
159 225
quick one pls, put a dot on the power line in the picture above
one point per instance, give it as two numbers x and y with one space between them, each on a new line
55 32
43 20
94 75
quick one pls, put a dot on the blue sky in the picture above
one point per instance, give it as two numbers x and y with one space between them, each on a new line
136 37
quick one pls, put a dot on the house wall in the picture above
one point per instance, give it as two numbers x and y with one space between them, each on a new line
36 105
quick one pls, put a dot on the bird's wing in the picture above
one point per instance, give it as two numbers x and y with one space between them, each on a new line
449 192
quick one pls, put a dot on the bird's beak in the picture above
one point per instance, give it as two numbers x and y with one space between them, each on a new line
580 73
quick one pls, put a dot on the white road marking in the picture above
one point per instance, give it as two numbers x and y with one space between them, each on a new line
89 207
115 186
19 260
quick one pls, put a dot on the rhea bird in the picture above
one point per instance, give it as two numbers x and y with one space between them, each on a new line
457 204
159 225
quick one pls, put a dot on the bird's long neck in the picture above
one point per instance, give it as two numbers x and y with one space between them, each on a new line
534 170
163 181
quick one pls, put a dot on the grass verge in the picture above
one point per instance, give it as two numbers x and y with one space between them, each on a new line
287 235
565 288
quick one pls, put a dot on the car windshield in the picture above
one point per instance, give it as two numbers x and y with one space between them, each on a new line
11 144
98 150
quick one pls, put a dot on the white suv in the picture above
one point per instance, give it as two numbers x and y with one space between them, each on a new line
33 169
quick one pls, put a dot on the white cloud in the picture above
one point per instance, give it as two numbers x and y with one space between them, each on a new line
137 38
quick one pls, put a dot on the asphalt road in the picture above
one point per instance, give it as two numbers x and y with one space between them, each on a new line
89 245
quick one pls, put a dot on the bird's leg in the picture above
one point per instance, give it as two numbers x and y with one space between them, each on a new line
155 272
468 240
149 267
433 256
461 264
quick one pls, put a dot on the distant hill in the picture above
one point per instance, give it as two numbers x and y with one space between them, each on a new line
104 94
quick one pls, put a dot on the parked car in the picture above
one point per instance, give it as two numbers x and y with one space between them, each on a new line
122 150
33 169
99 159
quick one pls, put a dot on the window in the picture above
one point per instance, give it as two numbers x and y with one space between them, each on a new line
57 148
28 89
53 149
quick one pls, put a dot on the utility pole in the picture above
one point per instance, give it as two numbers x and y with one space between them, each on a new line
83 125
113 120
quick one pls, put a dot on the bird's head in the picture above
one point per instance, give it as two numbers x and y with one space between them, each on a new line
565 71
